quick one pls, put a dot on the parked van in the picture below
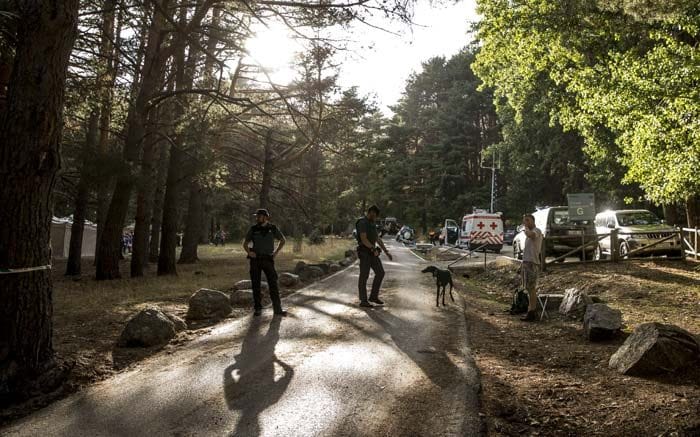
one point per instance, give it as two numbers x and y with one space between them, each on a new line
635 220
482 229
561 234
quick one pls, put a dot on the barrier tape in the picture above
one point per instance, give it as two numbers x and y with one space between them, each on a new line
24 270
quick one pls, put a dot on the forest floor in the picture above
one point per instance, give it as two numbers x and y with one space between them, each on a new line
545 378
89 315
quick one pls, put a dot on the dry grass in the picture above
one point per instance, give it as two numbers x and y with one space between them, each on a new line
547 379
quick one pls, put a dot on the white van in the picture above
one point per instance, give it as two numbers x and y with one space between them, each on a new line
482 228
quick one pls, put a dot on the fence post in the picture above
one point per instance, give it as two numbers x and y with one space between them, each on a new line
614 246
695 246
680 234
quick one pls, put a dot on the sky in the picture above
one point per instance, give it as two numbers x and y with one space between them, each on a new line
380 71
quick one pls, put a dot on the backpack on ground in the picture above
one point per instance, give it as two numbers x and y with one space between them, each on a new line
521 301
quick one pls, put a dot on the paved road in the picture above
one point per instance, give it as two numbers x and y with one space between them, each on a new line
329 369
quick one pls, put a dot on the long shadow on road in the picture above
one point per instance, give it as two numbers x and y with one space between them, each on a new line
249 383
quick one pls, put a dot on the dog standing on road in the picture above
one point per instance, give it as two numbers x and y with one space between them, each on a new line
443 278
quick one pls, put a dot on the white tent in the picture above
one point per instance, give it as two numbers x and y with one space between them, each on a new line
60 237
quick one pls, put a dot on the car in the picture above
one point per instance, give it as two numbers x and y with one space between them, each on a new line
391 225
637 228
509 235
561 234
406 235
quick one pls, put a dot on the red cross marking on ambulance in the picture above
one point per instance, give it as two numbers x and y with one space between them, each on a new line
481 225
493 225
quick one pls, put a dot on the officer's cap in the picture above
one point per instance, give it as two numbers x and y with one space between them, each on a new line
262 211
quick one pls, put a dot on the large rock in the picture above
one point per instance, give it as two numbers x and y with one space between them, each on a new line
288 279
655 348
351 254
310 273
601 322
208 304
335 267
149 327
246 284
574 303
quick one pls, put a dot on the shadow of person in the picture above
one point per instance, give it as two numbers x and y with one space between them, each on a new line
429 352
249 383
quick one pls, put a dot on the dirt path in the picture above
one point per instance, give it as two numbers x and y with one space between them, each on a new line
330 368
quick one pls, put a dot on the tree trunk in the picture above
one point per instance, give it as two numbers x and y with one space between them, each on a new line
692 210
168 241
108 248
193 226
105 83
29 158
157 216
144 205
75 250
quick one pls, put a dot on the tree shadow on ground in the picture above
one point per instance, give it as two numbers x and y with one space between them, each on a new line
249 383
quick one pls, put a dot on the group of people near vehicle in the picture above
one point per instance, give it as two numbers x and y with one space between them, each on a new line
259 246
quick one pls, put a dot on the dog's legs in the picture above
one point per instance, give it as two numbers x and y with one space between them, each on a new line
437 298
443 294
451 297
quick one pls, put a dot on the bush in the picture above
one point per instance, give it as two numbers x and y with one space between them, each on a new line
316 237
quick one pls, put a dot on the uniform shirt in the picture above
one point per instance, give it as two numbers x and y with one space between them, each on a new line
368 227
263 238
533 245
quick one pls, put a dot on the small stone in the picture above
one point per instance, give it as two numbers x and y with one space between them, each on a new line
208 304
301 265
601 322
288 279
655 348
246 284
244 299
335 268
310 273
351 254
149 327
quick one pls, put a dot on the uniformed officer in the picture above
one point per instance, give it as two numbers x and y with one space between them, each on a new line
262 259
368 253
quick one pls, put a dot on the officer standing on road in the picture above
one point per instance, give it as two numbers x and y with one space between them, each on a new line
531 264
368 253
262 259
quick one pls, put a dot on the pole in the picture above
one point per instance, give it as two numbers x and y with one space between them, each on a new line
493 181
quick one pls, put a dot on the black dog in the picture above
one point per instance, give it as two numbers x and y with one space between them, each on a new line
443 278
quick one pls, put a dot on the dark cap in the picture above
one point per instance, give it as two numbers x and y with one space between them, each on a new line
374 208
262 211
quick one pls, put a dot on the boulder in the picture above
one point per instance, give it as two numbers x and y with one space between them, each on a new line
246 284
310 273
301 265
244 299
324 265
208 304
655 348
601 322
574 303
288 279
346 262
351 254
335 267
149 327
178 323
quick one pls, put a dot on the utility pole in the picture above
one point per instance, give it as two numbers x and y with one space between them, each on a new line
495 165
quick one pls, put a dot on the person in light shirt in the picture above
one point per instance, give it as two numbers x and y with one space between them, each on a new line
531 264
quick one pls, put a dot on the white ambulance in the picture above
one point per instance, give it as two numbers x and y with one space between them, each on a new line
482 229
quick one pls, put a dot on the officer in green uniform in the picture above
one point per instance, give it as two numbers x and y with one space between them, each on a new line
368 253
262 259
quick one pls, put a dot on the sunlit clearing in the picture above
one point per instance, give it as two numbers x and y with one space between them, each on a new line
273 48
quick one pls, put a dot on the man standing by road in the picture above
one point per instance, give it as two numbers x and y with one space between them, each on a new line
368 253
531 264
262 259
